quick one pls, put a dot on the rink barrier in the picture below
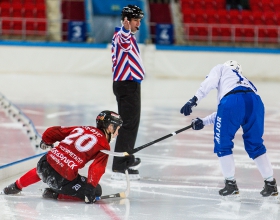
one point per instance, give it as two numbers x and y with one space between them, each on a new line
16 115
176 62
19 166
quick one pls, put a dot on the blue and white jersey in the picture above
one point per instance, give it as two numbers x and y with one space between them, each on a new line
224 79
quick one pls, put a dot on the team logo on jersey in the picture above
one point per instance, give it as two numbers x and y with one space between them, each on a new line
76 187
218 129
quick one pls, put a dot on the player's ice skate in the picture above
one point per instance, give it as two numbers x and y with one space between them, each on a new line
270 191
11 189
230 191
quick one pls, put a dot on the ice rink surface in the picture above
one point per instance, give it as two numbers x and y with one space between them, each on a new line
180 176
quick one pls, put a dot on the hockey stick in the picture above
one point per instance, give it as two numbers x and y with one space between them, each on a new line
133 151
121 194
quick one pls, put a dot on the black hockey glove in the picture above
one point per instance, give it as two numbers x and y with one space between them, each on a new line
44 146
197 124
127 161
187 108
89 194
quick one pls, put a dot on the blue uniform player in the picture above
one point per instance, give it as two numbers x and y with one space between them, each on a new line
238 105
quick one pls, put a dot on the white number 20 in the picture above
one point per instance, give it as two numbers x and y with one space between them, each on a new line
81 138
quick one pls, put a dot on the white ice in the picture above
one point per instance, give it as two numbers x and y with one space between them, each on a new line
180 176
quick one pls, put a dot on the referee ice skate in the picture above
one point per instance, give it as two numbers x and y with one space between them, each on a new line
238 105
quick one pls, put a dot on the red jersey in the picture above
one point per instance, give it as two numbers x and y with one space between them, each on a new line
78 145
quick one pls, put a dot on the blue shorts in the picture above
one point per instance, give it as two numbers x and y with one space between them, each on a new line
243 109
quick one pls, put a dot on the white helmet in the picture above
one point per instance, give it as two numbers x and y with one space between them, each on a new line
234 65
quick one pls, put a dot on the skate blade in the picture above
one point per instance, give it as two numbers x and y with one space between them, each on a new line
121 176
233 198
272 199
11 194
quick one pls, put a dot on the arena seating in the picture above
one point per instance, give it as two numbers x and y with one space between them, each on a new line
209 19
23 17
71 10
159 13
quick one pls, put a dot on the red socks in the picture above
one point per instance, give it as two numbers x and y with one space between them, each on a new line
27 179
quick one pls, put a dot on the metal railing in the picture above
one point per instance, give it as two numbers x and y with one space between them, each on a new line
211 33
22 28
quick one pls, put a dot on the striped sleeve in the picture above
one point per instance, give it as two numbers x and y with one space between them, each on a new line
126 59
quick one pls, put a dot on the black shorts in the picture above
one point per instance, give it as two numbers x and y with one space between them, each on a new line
59 184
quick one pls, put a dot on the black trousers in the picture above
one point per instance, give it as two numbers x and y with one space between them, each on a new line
128 96
59 184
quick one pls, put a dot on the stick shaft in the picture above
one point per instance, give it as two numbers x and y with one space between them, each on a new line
158 140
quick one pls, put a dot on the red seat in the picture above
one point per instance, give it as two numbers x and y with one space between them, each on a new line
269 18
160 13
191 32
223 16
210 5
41 27
5 8
202 33
255 5
216 33
267 5
221 34
258 17
200 16
211 17
226 33
30 27
220 4
239 34
16 10
234 17
246 17
29 1
262 35
187 4
276 4
268 35
16 1
249 34
6 26
40 2
272 35
17 27
277 18
189 16
29 10
40 11
198 4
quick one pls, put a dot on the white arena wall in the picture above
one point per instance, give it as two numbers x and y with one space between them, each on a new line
178 63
